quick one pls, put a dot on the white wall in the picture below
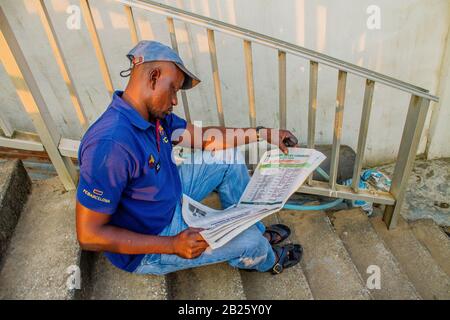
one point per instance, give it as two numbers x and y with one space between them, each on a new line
439 137
409 46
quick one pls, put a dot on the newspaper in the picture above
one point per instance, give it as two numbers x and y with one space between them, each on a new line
275 179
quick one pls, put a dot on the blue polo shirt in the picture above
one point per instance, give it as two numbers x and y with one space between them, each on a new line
126 173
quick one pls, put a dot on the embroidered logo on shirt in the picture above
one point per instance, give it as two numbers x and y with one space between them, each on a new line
161 130
151 162
95 197
97 192
162 134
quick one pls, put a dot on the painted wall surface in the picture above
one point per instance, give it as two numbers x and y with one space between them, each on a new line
439 138
409 45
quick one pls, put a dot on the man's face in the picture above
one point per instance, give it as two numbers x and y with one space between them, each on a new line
163 88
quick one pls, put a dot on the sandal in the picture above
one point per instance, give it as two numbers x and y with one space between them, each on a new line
278 233
287 256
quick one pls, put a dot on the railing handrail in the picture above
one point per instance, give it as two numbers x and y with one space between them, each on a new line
60 149
297 50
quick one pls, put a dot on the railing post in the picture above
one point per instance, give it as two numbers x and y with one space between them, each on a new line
338 120
6 127
61 61
28 91
87 14
282 87
312 106
216 77
173 40
363 129
415 121
253 149
250 82
131 24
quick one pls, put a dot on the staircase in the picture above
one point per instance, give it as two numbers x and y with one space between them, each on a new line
42 252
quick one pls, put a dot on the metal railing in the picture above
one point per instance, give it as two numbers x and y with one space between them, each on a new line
61 150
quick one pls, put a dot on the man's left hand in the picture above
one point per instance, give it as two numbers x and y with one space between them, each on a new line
283 139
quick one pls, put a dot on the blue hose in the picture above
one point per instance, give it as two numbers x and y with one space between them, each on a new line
325 206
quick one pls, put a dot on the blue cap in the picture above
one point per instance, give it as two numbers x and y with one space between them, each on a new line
146 51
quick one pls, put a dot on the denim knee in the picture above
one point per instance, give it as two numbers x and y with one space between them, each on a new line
256 253
261 226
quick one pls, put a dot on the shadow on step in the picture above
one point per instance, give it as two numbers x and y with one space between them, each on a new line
87 263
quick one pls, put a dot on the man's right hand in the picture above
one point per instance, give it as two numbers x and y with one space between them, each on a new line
189 244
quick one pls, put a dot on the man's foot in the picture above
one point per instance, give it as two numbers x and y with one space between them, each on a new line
286 256
277 233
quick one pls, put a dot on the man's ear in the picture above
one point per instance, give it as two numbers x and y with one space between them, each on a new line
153 76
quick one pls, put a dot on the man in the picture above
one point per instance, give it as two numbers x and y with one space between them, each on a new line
130 190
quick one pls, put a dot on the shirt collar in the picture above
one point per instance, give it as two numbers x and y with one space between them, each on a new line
128 111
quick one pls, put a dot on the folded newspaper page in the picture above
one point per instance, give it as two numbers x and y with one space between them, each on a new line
275 179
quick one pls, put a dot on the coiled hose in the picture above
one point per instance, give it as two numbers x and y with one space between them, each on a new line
324 206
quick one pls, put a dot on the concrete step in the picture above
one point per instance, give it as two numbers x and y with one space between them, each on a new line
435 240
289 285
220 281
15 185
105 282
212 282
327 265
366 249
415 260
44 247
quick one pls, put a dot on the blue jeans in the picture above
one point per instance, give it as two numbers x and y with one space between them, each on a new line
249 250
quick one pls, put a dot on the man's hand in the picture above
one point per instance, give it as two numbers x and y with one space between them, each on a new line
284 139
189 244
220 138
